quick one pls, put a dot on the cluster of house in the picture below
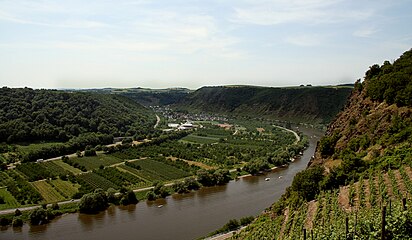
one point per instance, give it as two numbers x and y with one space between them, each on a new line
184 126
170 114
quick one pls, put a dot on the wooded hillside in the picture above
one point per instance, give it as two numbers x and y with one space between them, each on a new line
30 115
299 104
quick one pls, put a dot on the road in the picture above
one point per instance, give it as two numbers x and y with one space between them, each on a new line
157 121
288 130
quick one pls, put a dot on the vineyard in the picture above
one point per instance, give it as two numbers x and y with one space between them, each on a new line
67 167
47 191
352 212
153 170
94 162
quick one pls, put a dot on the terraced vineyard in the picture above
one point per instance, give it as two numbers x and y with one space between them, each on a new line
325 217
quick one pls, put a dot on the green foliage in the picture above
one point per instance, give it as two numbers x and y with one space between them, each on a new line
93 202
213 177
55 115
75 144
129 198
307 183
21 190
255 166
187 185
17 222
159 191
35 171
38 216
152 170
391 82
327 144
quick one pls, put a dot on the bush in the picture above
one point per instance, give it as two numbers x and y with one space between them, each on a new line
17 222
38 216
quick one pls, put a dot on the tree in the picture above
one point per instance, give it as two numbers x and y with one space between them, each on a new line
38 216
307 182
129 198
17 212
93 202
3 166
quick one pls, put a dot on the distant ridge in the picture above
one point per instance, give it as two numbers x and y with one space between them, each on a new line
297 104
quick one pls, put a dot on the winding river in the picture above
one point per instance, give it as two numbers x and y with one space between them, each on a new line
187 216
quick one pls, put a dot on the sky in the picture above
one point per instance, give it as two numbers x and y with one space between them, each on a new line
194 43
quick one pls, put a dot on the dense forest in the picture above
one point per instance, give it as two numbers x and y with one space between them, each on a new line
299 104
28 115
361 165
147 96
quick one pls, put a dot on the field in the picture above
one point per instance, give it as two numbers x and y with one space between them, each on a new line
200 139
9 200
67 167
65 188
94 162
154 170
48 193
96 181
34 146
52 166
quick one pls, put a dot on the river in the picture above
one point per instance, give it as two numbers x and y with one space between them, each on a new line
187 216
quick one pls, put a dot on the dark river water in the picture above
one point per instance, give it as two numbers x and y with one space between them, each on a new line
187 216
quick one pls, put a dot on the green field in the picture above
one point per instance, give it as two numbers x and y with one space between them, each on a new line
65 188
200 139
94 162
67 167
96 181
153 170
48 193
4 179
133 171
10 201
35 146
55 168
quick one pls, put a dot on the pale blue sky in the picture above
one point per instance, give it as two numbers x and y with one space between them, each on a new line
185 43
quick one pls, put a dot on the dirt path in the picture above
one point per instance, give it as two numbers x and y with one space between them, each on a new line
343 199
388 184
367 193
157 121
199 164
282 229
310 215
288 130
401 183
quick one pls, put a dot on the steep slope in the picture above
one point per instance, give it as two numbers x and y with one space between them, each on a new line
27 115
300 104
371 136
377 121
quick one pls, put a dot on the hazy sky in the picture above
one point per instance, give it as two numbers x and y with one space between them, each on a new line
185 43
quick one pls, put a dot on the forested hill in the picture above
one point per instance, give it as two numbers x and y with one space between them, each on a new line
30 115
363 163
300 104
147 96
377 121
